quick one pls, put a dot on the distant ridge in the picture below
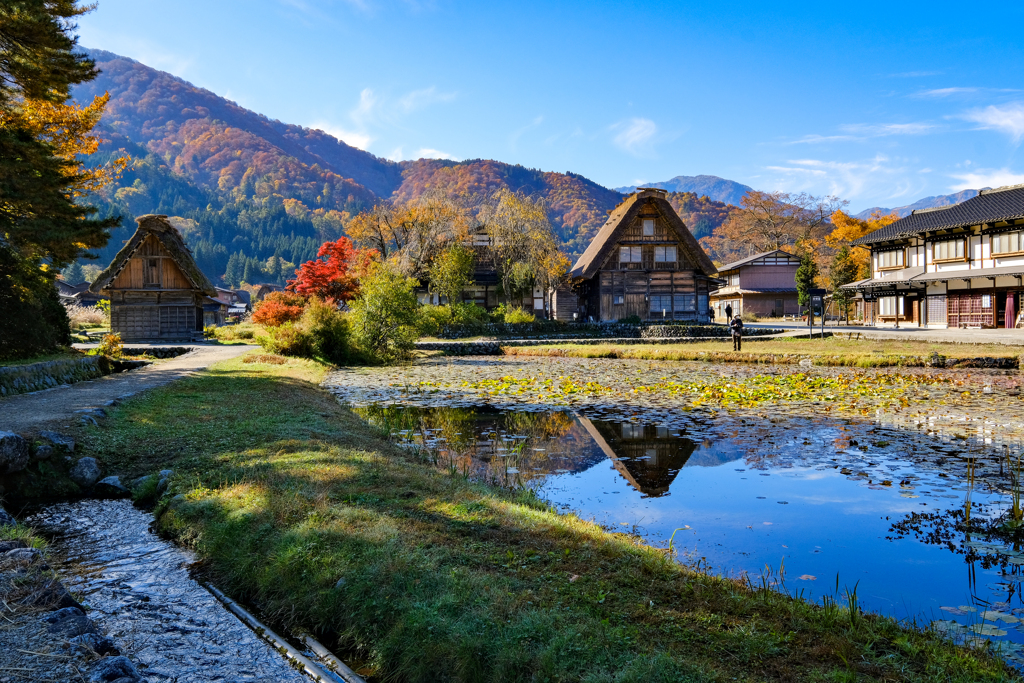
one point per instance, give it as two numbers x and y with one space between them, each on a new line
718 189
926 203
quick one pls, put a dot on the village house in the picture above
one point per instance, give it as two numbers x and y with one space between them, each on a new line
952 266
644 262
763 285
156 290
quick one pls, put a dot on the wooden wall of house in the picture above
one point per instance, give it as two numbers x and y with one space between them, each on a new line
151 267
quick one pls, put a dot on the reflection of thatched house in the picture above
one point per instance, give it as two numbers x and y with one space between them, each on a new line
649 458
156 289
645 262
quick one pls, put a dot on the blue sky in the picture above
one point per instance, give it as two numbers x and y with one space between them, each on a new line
879 103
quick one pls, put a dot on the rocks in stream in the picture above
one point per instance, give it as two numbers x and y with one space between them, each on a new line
69 622
86 472
110 487
14 453
93 642
114 670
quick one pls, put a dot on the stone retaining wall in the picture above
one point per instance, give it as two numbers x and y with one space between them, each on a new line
158 351
493 347
23 379
550 329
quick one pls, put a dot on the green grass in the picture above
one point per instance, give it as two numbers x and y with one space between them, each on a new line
295 505
833 351
63 354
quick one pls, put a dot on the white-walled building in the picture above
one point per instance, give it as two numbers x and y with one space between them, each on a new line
952 266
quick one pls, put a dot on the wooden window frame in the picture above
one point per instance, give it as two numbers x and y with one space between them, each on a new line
892 251
956 259
643 227
1006 254
664 250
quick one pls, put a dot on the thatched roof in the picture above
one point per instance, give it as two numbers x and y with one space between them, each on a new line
158 226
622 216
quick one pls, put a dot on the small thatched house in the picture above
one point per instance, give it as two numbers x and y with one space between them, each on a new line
645 262
156 289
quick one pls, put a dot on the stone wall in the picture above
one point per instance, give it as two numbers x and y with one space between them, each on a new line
22 379
494 347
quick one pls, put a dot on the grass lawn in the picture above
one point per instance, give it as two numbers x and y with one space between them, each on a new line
296 506
830 351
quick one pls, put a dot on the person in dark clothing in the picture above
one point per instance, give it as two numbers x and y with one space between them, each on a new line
728 312
711 313
736 325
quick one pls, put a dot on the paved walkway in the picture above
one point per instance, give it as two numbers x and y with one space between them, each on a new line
55 408
1000 336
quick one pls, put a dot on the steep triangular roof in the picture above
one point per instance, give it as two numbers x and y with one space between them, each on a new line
622 216
158 226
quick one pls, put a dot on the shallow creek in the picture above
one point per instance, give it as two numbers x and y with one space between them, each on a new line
138 587
868 503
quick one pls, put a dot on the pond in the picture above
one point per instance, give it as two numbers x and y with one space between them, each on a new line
900 501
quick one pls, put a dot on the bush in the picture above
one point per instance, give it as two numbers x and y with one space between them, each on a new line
631 320
111 345
233 332
84 316
384 316
432 319
287 340
328 330
279 308
749 318
518 315
32 319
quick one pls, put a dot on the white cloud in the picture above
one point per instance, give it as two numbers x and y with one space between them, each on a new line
946 92
354 138
417 99
428 153
396 154
365 111
1007 119
987 178
865 131
633 136
875 177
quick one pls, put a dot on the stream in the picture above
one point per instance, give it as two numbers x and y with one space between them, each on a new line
138 587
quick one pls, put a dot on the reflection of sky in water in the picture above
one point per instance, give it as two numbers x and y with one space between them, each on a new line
789 497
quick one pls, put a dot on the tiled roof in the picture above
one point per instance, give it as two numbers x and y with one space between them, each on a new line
744 261
971 274
1001 204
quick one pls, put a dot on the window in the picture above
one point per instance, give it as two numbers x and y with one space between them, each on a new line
661 304
649 227
1008 243
618 299
151 273
686 303
734 280
890 305
702 303
630 254
665 254
632 431
986 301
538 304
780 308
890 259
949 250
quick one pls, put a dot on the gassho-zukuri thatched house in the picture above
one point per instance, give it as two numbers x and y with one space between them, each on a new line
156 289
644 262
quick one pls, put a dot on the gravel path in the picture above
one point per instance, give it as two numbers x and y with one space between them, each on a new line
55 408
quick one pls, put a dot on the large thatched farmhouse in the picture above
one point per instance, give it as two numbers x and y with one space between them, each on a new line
644 262
156 289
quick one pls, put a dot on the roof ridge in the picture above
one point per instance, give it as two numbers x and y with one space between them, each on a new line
1004 188
933 208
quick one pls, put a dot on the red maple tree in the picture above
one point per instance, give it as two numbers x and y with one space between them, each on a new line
334 276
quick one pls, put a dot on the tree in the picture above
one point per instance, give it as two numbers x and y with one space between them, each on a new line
844 270
73 274
385 313
805 276
410 234
521 240
335 278
847 229
234 271
450 272
766 221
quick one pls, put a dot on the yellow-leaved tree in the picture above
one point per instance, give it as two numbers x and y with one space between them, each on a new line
847 229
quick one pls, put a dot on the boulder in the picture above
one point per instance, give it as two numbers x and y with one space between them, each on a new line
70 622
24 555
161 486
11 545
86 472
14 453
43 452
110 487
111 669
164 474
52 594
7 520
58 439
94 642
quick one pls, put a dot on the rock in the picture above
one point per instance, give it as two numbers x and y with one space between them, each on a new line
24 555
94 412
70 622
54 595
14 453
43 452
86 472
59 440
89 420
7 520
110 487
111 669
11 545
94 642
162 485
136 483
164 474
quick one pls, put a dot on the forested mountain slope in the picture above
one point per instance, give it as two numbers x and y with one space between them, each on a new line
257 196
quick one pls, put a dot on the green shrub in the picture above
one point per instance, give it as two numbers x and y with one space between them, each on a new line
468 313
518 315
384 316
329 331
111 345
432 319
631 320
32 319
288 340
749 318
239 331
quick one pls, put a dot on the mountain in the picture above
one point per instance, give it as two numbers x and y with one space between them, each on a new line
719 189
256 196
926 203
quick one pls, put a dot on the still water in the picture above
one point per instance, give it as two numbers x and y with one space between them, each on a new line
822 505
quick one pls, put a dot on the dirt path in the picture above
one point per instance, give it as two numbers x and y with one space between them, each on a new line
55 408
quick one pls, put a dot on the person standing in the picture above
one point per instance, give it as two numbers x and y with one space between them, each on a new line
736 325
728 312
